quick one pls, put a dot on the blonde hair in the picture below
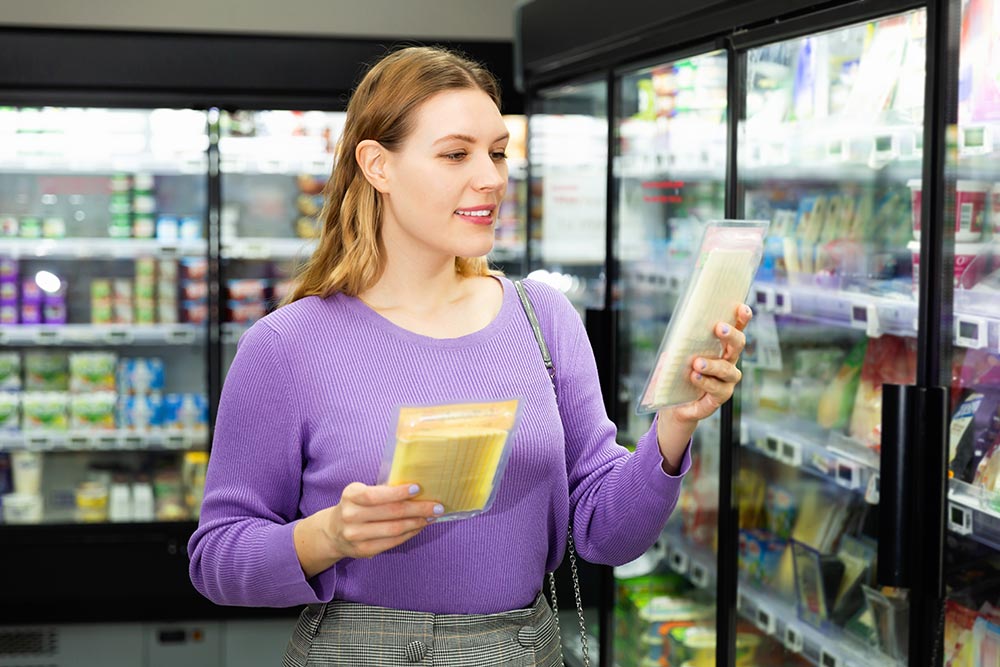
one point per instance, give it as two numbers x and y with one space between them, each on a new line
350 257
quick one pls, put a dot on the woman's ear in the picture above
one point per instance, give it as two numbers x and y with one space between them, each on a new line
371 158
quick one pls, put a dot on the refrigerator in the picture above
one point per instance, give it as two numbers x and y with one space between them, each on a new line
842 509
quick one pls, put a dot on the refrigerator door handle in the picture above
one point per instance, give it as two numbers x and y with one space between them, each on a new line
896 487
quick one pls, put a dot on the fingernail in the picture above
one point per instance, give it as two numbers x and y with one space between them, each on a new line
414 489
698 376
747 311
702 364
725 329
431 519
439 509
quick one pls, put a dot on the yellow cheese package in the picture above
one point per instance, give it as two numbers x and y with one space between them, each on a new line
727 260
457 453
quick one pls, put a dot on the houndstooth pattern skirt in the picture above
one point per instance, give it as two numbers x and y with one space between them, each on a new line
347 634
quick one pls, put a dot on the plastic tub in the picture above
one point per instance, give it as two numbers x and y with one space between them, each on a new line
970 210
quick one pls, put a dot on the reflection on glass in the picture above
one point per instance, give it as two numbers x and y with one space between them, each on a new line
972 209
830 153
568 150
669 179
103 306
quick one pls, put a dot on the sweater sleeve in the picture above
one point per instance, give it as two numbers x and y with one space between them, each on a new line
619 501
243 551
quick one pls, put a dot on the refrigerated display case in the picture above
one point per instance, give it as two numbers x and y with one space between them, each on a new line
669 177
971 212
567 152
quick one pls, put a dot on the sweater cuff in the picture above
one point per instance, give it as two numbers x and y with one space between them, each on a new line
285 571
650 459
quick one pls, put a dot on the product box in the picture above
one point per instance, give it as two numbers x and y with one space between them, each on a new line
45 411
46 371
10 412
140 375
8 269
9 312
140 412
8 290
92 371
93 411
54 311
193 268
185 412
31 313
10 371
30 291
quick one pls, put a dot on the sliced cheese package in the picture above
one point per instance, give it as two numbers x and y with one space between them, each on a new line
728 258
457 453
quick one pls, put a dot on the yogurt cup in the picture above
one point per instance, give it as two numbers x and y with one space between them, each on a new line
22 508
971 261
970 210
916 201
27 472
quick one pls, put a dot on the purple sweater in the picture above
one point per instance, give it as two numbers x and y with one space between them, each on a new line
307 407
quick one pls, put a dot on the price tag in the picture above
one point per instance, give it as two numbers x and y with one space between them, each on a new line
176 440
793 639
864 316
971 332
271 166
763 298
106 442
744 432
975 140
180 336
772 446
838 149
254 250
169 251
38 443
827 659
959 519
118 337
699 575
790 454
193 165
80 441
47 336
872 490
320 166
765 621
782 301
847 474
886 147
134 441
678 561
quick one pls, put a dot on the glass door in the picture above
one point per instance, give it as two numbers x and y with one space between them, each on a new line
830 153
568 150
103 314
669 172
972 210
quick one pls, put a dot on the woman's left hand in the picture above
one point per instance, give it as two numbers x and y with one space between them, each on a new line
717 378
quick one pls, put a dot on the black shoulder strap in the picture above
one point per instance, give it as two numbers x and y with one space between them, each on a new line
529 310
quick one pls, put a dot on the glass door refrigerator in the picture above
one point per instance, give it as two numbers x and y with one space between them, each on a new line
103 324
830 152
970 247
669 179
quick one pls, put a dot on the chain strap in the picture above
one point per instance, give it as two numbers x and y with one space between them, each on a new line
536 328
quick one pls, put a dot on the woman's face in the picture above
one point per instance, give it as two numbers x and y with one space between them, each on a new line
443 185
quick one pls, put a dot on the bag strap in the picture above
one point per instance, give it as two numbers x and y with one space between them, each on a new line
529 310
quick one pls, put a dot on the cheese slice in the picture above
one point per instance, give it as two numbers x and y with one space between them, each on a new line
456 467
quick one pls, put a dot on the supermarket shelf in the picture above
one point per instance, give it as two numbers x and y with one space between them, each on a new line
102 334
771 615
875 315
265 248
47 441
192 164
99 248
320 164
832 456
974 512
780 620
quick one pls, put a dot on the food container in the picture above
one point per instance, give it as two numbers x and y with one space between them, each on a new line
916 200
970 210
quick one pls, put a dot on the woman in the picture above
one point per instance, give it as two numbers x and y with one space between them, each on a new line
397 307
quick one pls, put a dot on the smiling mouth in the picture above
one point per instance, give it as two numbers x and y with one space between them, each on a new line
482 213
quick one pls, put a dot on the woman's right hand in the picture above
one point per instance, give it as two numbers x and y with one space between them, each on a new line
367 521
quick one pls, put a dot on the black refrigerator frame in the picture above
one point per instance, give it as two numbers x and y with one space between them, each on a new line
129 572
612 39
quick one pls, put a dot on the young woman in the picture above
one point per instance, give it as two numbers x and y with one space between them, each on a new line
397 307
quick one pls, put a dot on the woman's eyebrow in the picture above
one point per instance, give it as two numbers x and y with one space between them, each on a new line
470 139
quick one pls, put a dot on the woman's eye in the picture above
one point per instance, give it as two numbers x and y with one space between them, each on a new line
455 157
499 155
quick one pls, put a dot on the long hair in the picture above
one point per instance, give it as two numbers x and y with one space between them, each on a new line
350 257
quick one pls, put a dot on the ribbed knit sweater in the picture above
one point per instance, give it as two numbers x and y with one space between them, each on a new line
307 408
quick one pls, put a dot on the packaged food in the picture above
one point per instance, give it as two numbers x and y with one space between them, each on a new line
970 210
92 371
10 411
916 202
140 412
93 411
728 257
45 411
457 453
92 502
140 375
889 359
10 371
46 371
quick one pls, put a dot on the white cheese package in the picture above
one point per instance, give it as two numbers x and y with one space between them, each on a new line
457 453
727 261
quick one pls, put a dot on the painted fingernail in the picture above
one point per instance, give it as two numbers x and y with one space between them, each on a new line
699 376
702 364
725 329
439 509
414 489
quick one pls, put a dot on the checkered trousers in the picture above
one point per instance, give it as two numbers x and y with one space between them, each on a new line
347 634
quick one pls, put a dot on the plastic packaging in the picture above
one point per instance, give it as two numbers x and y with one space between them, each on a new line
457 453
729 254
